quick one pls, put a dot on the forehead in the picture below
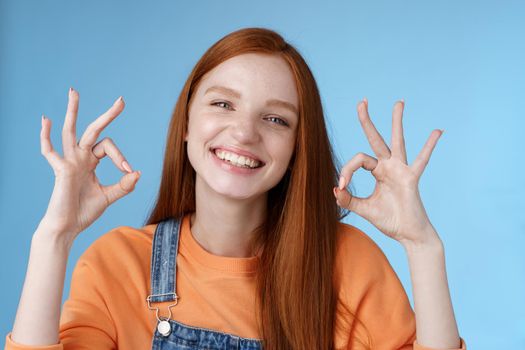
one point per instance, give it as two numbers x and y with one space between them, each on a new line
254 75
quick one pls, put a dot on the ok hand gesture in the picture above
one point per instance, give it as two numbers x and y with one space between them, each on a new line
78 198
395 206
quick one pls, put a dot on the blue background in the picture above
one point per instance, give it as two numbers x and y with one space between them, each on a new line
460 66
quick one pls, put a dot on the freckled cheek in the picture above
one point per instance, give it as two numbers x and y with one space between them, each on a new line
209 131
282 150
204 129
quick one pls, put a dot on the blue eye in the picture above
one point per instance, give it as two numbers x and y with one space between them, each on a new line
226 105
278 121
222 104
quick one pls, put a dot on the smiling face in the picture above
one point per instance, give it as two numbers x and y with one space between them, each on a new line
242 125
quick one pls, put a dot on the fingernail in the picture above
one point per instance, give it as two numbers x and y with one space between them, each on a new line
365 101
126 166
120 99
140 172
43 118
341 182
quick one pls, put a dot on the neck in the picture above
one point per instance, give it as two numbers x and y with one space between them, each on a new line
224 226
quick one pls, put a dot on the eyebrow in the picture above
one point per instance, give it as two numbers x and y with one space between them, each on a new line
236 94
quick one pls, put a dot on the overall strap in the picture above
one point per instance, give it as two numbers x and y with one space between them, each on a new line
164 261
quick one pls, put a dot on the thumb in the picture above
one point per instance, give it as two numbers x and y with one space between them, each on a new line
123 187
348 201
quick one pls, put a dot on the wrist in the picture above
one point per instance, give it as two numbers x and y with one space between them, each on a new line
431 242
51 239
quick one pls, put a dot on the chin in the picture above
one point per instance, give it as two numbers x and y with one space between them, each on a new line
236 188
234 192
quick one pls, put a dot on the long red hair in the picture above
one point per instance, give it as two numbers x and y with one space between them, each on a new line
296 295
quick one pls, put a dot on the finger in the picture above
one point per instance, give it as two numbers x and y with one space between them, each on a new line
374 138
123 187
46 147
94 129
423 157
346 200
108 147
69 134
360 160
398 140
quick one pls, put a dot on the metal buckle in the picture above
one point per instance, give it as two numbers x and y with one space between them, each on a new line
148 299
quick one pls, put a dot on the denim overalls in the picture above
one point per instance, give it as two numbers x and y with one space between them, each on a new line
170 334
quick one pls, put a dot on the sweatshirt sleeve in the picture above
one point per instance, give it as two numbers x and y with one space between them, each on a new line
85 321
373 290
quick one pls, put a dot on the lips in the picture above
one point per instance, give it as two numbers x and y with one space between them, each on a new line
239 152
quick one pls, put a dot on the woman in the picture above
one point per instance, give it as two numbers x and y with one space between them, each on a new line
248 190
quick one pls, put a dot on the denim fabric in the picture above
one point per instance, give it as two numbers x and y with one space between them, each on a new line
164 287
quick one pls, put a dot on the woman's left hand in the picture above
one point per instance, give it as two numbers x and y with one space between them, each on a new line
395 206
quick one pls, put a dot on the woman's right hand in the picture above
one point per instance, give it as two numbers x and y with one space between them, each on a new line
78 198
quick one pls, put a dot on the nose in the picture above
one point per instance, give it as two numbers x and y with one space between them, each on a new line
245 130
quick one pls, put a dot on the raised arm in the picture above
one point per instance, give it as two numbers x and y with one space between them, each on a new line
396 209
36 321
435 322
78 199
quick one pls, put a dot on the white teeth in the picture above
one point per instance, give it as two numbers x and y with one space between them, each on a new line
237 160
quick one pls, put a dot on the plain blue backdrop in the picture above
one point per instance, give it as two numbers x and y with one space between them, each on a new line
460 66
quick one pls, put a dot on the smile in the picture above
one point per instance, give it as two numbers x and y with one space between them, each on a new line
236 163
237 159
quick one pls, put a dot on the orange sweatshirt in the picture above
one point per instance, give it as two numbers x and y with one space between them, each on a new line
107 307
